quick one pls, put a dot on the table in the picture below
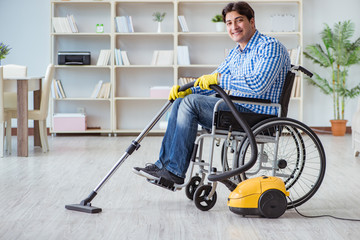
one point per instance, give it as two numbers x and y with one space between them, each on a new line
22 86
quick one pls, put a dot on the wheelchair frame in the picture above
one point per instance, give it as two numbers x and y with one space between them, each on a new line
302 172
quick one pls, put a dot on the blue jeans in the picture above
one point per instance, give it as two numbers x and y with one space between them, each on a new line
181 132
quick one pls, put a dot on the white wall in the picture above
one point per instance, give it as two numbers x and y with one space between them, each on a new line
317 106
25 27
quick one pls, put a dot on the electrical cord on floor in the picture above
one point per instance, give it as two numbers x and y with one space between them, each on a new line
318 216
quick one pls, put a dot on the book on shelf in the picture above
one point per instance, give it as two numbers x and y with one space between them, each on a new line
104 57
125 58
121 57
57 90
118 58
295 91
96 89
163 57
124 24
183 24
185 80
183 56
61 89
101 90
64 24
294 54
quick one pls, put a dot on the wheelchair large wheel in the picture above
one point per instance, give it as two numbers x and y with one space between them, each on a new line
290 150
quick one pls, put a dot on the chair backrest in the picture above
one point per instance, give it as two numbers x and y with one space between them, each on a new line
45 91
286 93
1 96
13 70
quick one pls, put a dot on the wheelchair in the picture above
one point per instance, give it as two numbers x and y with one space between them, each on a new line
286 148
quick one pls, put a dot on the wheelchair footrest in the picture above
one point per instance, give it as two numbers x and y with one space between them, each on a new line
162 182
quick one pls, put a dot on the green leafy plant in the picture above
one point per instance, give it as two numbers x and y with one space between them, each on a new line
4 50
217 18
337 53
158 16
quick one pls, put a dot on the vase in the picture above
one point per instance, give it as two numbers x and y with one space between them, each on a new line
220 27
159 27
338 127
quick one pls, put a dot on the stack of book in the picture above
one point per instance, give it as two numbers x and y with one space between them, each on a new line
57 90
64 24
104 57
101 90
163 58
121 57
124 24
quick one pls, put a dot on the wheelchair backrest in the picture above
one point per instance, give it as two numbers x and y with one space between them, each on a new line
286 93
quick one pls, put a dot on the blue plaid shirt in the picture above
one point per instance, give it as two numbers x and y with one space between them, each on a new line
257 71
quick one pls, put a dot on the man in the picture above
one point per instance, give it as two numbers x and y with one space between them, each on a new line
255 68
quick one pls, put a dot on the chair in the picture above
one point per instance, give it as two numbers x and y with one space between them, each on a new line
41 114
3 115
12 70
10 98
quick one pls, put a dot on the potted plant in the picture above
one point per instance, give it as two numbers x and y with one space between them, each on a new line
159 17
218 20
4 50
337 53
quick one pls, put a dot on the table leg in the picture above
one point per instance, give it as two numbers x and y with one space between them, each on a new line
22 120
37 100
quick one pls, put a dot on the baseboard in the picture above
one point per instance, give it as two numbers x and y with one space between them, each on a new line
327 130
30 131
318 130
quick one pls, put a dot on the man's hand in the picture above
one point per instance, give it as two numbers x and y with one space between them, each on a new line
205 81
174 93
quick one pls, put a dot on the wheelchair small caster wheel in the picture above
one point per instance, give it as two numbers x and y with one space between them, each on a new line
192 186
201 199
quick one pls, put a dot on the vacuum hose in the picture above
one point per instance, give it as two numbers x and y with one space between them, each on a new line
240 119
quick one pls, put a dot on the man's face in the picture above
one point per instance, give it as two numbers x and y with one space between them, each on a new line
239 28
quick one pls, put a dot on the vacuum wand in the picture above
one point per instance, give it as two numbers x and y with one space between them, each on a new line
85 205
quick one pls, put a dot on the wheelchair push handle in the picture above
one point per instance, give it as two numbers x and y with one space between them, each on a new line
302 69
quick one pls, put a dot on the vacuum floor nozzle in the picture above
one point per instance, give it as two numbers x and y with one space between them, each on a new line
83 208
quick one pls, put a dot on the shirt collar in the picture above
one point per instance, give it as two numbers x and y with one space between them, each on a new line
251 42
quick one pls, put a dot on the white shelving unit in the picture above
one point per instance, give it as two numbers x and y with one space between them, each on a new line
130 107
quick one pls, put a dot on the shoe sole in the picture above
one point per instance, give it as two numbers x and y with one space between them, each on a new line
144 174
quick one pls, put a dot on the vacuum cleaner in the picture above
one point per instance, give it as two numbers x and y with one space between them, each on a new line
264 195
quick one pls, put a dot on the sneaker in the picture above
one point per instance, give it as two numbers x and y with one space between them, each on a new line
149 169
169 176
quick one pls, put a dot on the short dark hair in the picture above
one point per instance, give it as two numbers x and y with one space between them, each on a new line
242 8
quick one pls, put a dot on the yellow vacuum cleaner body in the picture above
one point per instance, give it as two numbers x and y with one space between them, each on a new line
265 196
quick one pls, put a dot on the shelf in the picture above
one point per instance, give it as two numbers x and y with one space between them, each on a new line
82 34
130 84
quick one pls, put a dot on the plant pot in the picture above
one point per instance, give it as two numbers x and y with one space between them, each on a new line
220 27
338 127
159 27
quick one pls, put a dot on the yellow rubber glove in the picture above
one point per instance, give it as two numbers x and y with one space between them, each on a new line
205 81
174 92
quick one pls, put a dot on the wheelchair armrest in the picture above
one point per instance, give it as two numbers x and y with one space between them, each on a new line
244 99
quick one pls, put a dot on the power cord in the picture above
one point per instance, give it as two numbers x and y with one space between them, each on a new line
318 216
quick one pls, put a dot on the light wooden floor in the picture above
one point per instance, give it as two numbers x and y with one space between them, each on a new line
34 190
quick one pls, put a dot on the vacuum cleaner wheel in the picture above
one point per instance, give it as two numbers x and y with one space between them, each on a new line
272 203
